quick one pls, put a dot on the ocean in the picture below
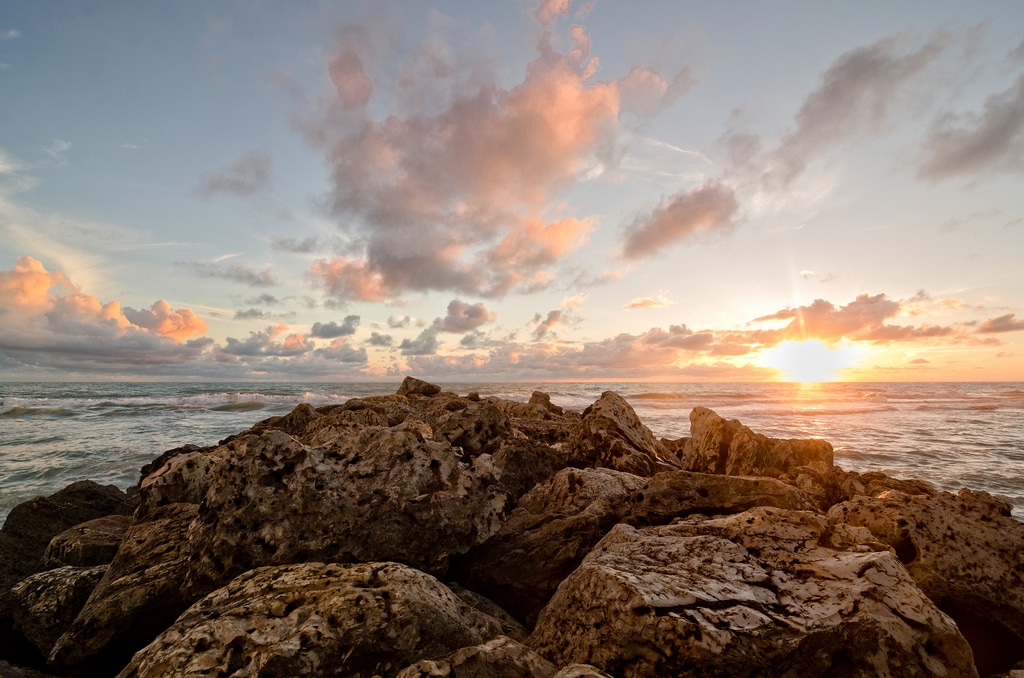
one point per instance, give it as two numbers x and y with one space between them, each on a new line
952 435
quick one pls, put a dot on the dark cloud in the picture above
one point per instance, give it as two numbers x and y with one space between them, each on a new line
250 314
343 352
263 300
332 329
307 245
264 344
992 140
425 344
378 339
1003 323
472 340
463 317
399 323
546 325
234 272
708 210
247 176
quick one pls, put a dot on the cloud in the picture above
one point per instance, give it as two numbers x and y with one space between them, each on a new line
10 34
425 344
248 175
463 317
307 245
822 320
546 325
1004 323
332 329
659 301
343 352
708 210
575 301
49 321
264 344
973 143
399 323
235 272
57 150
251 314
378 339
454 192
264 300
646 94
1016 55
547 10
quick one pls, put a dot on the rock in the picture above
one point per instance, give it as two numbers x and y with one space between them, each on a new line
555 431
612 436
581 671
553 527
45 603
141 594
94 542
966 553
477 428
183 478
413 386
373 494
502 657
524 462
509 626
681 493
9 671
314 619
167 456
25 535
763 593
728 447
544 400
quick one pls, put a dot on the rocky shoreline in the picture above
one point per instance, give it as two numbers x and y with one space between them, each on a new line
425 533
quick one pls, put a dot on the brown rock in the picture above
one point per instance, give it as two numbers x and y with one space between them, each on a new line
45 603
544 400
523 463
94 542
581 671
611 435
315 619
679 493
758 593
141 593
728 447
413 386
502 657
476 428
554 526
965 552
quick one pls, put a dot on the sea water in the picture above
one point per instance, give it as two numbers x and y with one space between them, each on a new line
952 435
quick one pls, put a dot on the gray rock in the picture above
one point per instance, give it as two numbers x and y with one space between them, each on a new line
313 619
764 593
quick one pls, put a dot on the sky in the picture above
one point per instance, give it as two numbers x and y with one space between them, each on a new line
513 191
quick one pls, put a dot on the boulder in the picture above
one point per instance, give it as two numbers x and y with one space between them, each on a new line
680 493
523 463
8 670
183 478
581 671
552 528
311 619
413 386
767 592
966 553
544 400
611 435
373 494
509 626
94 542
728 447
44 604
502 657
141 593
477 428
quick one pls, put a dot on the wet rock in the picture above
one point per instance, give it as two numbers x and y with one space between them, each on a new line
413 386
757 593
373 494
611 435
94 542
965 552
728 447
502 657
314 619
141 593
681 493
44 604
553 527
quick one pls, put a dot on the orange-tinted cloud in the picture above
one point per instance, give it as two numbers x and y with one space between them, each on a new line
27 286
177 324
463 317
708 210
1003 323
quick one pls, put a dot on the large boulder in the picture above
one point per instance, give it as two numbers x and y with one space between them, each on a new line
141 593
411 386
966 553
722 446
44 604
611 435
680 493
94 542
312 619
27 532
552 528
502 657
373 494
768 592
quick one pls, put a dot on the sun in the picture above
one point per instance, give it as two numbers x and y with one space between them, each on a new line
809 360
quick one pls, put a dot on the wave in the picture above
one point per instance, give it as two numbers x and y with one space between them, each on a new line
245 406
19 411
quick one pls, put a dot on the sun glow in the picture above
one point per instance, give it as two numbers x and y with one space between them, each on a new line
809 360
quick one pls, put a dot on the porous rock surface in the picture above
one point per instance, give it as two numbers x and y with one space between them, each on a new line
762 593
611 435
502 657
44 604
94 542
313 619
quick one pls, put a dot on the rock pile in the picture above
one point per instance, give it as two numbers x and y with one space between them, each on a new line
427 534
